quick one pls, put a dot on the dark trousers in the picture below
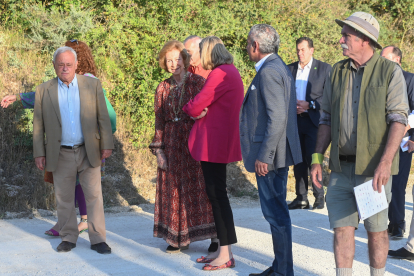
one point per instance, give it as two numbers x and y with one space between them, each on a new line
272 192
396 209
307 136
215 178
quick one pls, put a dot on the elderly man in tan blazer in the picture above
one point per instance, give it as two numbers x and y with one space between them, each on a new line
71 134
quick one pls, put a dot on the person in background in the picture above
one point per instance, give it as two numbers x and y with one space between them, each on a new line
396 210
182 212
191 44
87 67
71 135
214 140
364 116
270 140
309 75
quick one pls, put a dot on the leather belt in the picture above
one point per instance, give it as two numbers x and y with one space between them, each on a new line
304 114
347 158
72 147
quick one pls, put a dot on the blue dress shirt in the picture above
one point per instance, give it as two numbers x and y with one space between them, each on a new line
69 105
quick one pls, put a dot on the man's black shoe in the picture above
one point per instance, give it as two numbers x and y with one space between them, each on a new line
267 272
298 204
397 233
213 247
401 253
65 246
319 203
101 248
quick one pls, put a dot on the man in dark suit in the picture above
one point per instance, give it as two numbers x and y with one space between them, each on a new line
309 75
396 210
269 139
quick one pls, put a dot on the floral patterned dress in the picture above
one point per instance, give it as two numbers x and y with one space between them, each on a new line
183 212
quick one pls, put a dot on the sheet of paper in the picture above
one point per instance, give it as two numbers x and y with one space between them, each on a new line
403 142
369 202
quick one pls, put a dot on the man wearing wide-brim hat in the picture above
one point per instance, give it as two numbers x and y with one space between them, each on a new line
364 114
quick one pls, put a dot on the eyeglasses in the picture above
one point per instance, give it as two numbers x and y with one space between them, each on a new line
74 40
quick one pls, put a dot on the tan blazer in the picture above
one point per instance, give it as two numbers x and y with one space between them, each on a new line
47 127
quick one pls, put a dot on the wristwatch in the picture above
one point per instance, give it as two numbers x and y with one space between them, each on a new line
312 105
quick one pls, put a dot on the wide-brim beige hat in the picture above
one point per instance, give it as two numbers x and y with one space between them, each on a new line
364 23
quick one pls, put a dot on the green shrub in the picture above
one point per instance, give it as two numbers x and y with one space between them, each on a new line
126 35
50 29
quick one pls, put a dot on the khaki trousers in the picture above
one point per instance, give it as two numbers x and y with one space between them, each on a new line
70 162
410 242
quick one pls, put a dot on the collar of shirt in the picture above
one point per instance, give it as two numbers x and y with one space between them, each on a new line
307 66
260 63
74 83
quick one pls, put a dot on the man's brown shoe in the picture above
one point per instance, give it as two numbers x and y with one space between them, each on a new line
65 246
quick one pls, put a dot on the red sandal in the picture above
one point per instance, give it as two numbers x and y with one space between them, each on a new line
229 264
204 260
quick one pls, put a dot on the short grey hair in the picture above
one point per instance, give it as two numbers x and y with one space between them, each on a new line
266 36
62 50
192 37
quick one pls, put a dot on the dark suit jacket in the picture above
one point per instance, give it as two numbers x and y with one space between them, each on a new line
316 82
409 79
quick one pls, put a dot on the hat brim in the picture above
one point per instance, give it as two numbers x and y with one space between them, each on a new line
359 29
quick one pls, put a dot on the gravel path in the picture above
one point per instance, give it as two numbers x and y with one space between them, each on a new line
25 250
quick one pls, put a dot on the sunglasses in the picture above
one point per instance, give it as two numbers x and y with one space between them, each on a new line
74 40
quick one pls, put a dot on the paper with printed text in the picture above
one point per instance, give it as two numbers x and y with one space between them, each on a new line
369 202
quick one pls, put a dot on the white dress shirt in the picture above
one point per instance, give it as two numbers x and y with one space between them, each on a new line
302 76
259 64
69 105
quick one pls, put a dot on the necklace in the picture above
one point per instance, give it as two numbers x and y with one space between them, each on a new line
177 111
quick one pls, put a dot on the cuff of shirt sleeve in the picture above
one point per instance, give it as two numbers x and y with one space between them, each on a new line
411 119
396 117
325 118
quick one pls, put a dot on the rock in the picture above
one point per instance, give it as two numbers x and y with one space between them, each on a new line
44 213
135 208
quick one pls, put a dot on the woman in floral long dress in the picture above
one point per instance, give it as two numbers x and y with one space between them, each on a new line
183 212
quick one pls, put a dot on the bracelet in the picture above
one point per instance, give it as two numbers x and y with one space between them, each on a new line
317 158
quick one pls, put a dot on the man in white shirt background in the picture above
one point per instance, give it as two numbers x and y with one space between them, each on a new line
309 74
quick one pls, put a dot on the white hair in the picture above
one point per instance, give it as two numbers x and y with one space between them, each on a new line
266 36
62 50
198 39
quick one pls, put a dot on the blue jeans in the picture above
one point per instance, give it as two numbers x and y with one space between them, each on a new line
272 192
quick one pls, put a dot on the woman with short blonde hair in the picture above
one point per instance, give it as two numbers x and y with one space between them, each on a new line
213 53
214 140
182 212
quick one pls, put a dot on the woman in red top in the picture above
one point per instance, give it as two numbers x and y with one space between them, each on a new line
214 140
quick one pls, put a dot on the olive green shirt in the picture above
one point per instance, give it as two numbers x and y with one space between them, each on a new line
395 105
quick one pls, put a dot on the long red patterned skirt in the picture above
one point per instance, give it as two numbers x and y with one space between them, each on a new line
183 212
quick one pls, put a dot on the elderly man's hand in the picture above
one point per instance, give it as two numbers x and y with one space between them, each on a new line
40 162
301 106
316 175
410 145
105 153
261 168
8 100
381 175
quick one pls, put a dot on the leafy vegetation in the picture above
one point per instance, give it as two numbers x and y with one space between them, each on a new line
126 36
